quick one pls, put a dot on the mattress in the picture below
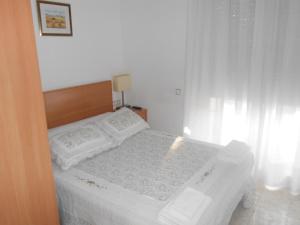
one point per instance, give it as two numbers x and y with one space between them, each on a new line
130 184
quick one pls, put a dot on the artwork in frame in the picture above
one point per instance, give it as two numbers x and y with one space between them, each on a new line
54 18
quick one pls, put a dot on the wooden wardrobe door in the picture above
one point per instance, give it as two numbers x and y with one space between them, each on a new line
27 192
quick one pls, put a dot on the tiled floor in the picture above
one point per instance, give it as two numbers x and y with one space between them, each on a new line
271 208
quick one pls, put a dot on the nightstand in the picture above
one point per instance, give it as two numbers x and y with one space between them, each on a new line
141 112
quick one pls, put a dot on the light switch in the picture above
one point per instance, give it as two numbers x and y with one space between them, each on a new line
178 91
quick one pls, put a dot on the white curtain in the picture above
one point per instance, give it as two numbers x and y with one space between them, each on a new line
243 81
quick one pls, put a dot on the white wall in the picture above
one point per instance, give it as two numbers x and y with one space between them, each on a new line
93 53
154 52
143 37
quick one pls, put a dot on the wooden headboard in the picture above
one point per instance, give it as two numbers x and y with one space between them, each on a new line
75 103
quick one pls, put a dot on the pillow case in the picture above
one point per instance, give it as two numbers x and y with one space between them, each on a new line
122 124
75 142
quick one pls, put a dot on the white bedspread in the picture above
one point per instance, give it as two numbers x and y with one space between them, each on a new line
129 185
185 209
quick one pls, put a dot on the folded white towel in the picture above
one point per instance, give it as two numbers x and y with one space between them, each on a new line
235 152
186 209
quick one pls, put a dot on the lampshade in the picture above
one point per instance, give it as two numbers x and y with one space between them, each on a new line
121 82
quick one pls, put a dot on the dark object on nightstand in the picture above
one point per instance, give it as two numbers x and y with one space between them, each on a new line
127 106
136 107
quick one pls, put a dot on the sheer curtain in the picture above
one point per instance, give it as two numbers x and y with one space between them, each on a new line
243 81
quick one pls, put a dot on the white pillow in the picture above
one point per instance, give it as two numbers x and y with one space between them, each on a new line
75 142
122 124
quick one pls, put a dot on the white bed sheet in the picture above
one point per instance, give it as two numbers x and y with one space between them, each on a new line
86 199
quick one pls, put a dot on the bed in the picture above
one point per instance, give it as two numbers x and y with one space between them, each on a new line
141 178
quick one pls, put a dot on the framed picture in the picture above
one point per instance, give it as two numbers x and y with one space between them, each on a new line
54 18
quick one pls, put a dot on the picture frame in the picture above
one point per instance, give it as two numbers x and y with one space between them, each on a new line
54 18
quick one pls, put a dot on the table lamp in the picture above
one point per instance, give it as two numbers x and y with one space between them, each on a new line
122 83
